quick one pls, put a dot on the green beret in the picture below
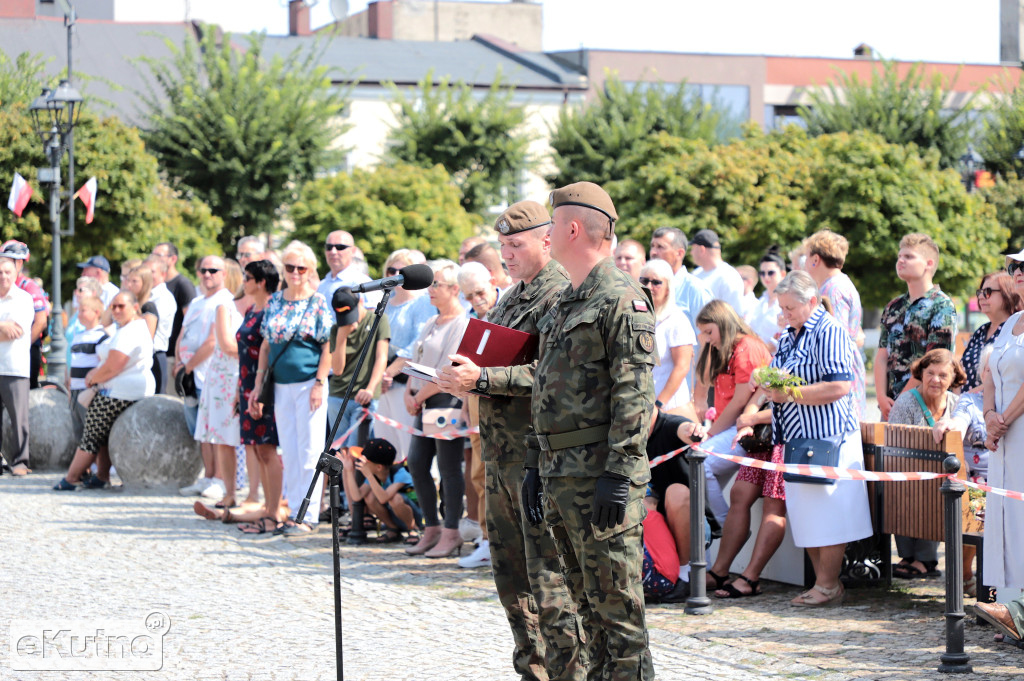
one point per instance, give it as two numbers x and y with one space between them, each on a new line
586 194
522 217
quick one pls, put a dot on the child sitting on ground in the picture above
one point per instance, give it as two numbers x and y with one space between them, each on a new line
385 490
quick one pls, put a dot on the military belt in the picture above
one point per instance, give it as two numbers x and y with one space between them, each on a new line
573 438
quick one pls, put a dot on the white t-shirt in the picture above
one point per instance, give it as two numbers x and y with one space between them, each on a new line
196 328
108 292
672 332
725 283
163 299
16 307
136 380
764 320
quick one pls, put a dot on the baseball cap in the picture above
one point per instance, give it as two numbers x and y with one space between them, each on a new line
706 238
380 451
346 306
96 261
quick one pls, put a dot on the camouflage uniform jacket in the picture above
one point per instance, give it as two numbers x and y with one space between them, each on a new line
505 418
909 329
596 354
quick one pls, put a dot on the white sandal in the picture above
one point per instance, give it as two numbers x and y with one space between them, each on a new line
833 597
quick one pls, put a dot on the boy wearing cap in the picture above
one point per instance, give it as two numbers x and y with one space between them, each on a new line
721 277
347 339
385 490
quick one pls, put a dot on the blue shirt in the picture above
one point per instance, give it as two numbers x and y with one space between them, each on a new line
407 321
692 295
822 352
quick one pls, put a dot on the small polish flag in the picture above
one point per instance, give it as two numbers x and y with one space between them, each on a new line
21 192
88 195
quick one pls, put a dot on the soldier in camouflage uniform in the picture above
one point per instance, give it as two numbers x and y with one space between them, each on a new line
543 618
593 397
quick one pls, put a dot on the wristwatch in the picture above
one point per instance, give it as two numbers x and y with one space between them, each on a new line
482 384
322 381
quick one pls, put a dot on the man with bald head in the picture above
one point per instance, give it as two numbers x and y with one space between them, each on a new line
195 348
338 251
488 256
629 257
469 244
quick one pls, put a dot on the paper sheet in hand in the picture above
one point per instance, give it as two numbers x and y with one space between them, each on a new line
420 371
492 345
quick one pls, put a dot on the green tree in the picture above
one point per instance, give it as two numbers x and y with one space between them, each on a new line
134 210
479 140
1007 197
21 79
386 208
905 108
239 131
1003 133
596 142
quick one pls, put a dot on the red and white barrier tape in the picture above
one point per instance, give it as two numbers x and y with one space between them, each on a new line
340 441
995 490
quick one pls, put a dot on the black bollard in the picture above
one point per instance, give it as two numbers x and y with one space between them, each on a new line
698 603
954 660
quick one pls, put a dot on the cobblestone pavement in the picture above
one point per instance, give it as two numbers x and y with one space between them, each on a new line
241 609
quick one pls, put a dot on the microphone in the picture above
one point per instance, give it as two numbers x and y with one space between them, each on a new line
412 278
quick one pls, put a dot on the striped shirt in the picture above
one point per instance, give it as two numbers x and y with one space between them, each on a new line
822 352
83 354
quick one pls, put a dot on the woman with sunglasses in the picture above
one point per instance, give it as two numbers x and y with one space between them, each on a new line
764 317
296 356
997 300
1003 402
674 336
123 377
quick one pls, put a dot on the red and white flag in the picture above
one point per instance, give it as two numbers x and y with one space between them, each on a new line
88 195
21 192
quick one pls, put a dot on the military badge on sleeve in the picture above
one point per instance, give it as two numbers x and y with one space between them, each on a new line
646 341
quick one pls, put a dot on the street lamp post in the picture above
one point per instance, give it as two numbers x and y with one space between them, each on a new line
55 114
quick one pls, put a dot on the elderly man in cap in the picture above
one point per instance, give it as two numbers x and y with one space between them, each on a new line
97 267
19 255
593 396
16 315
524 559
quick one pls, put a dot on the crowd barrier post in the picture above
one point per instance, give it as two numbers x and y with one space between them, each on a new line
954 660
698 602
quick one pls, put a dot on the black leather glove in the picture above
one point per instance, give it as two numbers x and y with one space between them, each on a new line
533 496
610 496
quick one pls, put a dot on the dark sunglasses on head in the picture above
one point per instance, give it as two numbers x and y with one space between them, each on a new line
301 269
647 281
768 273
1014 267
336 247
391 271
985 293
208 270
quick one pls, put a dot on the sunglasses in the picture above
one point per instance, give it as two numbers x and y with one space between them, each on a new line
209 270
391 271
248 277
769 273
336 247
985 293
1014 267
647 281
301 269
118 306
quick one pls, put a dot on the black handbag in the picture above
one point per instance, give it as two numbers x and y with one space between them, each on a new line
760 442
811 452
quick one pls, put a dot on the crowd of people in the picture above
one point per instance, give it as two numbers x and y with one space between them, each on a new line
638 357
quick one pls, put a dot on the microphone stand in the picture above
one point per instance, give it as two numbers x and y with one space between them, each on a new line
331 466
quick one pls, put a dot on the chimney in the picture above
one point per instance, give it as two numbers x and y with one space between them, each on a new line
863 51
1010 33
298 18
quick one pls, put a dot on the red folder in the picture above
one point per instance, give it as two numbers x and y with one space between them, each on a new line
493 345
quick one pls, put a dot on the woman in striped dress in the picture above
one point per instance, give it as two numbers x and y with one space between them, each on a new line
823 517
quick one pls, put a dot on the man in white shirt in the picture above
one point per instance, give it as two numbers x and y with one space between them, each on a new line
16 313
669 244
98 268
338 250
721 277
162 297
195 348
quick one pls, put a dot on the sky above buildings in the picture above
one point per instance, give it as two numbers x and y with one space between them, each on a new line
958 31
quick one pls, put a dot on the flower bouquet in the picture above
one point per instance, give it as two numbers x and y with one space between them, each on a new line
771 378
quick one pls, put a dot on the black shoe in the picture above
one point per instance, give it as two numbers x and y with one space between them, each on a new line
679 593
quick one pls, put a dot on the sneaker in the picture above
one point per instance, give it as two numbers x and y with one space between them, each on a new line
195 488
481 556
469 530
680 592
214 489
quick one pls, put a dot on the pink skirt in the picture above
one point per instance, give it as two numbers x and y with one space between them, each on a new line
771 482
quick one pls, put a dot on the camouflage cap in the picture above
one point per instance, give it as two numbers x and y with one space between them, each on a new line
585 194
522 216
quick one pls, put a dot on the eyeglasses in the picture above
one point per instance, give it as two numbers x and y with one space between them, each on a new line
985 293
391 271
159 255
768 273
1014 267
245 254
647 281
118 306
482 293
81 290
301 269
248 277
336 247
439 284
209 270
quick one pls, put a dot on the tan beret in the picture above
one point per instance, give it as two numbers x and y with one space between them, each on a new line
585 194
522 217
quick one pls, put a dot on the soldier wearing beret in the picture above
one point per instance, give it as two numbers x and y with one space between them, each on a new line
525 564
593 397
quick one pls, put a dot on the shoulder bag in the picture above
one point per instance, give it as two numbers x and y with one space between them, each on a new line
266 397
924 409
812 452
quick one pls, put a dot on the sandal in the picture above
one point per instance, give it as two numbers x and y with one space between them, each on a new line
261 526
65 486
911 572
228 517
720 580
412 538
204 511
833 597
731 591
389 537
221 504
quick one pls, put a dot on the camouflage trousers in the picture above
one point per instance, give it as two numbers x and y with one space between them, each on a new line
603 571
545 626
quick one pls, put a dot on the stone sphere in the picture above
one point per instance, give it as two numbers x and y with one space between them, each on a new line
52 431
150 444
